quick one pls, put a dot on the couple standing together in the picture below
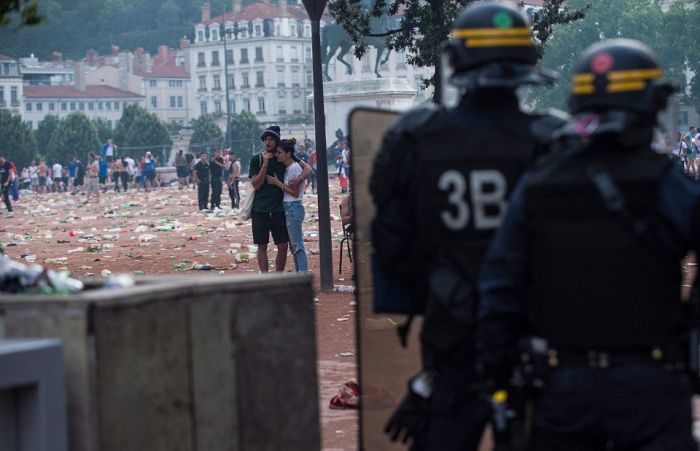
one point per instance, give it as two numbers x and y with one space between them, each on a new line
277 176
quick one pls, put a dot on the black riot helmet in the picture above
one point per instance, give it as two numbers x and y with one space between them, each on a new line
491 46
619 74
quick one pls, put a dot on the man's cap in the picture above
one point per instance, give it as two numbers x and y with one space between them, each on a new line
272 130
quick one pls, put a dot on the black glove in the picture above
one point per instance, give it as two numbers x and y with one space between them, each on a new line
410 419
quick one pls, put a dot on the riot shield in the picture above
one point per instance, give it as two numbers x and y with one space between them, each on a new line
384 365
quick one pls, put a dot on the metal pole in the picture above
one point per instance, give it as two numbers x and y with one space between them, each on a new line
228 102
324 218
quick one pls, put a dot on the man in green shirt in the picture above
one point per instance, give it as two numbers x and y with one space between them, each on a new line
268 211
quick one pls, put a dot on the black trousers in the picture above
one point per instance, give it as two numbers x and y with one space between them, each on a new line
234 194
6 198
634 407
125 180
202 194
216 193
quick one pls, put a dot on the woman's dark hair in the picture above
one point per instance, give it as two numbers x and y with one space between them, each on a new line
288 145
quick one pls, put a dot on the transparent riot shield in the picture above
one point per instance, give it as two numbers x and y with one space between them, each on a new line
384 365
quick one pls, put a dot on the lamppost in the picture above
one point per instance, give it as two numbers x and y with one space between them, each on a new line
314 9
227 32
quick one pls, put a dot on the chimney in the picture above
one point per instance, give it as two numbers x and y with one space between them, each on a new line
79 70
206 12
283 8
115 50
147 63
91 57
163 54
56 56
236 7
184 43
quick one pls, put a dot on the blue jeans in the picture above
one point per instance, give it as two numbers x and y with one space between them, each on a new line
294 213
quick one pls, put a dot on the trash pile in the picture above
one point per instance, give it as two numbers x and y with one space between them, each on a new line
17 277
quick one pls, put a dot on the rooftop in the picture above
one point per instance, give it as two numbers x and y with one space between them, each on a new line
91 92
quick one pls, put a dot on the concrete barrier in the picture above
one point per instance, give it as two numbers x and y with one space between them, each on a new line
184 363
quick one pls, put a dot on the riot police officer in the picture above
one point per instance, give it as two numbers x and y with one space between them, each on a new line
440 184
588 260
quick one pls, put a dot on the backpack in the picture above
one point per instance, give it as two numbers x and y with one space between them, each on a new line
150 167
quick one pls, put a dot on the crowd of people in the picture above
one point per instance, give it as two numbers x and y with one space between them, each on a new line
687 148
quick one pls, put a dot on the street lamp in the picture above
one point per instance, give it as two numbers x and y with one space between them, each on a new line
227 32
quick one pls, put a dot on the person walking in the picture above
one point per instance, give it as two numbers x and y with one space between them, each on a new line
430 231
181 169
92 173
5 180
216 167
57 170
586 270
292 202
201 173
233 181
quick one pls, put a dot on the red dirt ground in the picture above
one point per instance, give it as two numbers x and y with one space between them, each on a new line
163 233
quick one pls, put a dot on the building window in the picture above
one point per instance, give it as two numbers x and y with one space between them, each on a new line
231 81
81 106
295 54
259 79
215 58
246 84
100 106
152 83
308 54
258 30
203 107
179 101
14 100
39 106
232 107
261 104
244 56
279 55
217 106
64 106
116 106
214 34
309 106
154 101
293 30
28 106
108 106
200 35
202 83
307 31
280 77
296 78
277 30
217 82
172 102
200 59
258 54
2 96
246 105
125 104
229 56
309 78
91 106
72 106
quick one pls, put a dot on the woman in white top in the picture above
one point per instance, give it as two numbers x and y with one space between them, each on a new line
293 207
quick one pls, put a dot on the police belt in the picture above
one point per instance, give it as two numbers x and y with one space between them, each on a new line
670 358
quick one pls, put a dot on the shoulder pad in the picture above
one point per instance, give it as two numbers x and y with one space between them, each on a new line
545 127
418 118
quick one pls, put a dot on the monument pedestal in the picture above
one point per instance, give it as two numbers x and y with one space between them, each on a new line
340 97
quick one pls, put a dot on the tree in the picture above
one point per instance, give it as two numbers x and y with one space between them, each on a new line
206 134
672 33
245 134
103 128
139 131
17 142
74 136
45 131
424 24
28 12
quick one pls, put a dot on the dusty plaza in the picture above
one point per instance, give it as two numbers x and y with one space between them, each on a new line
161 232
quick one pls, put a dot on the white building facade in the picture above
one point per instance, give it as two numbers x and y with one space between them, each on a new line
11 88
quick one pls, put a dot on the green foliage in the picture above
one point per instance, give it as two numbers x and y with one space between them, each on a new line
425 24
673 34
17 142
206 134
45 131
245 134
103 128
28 12
138 131
74 136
